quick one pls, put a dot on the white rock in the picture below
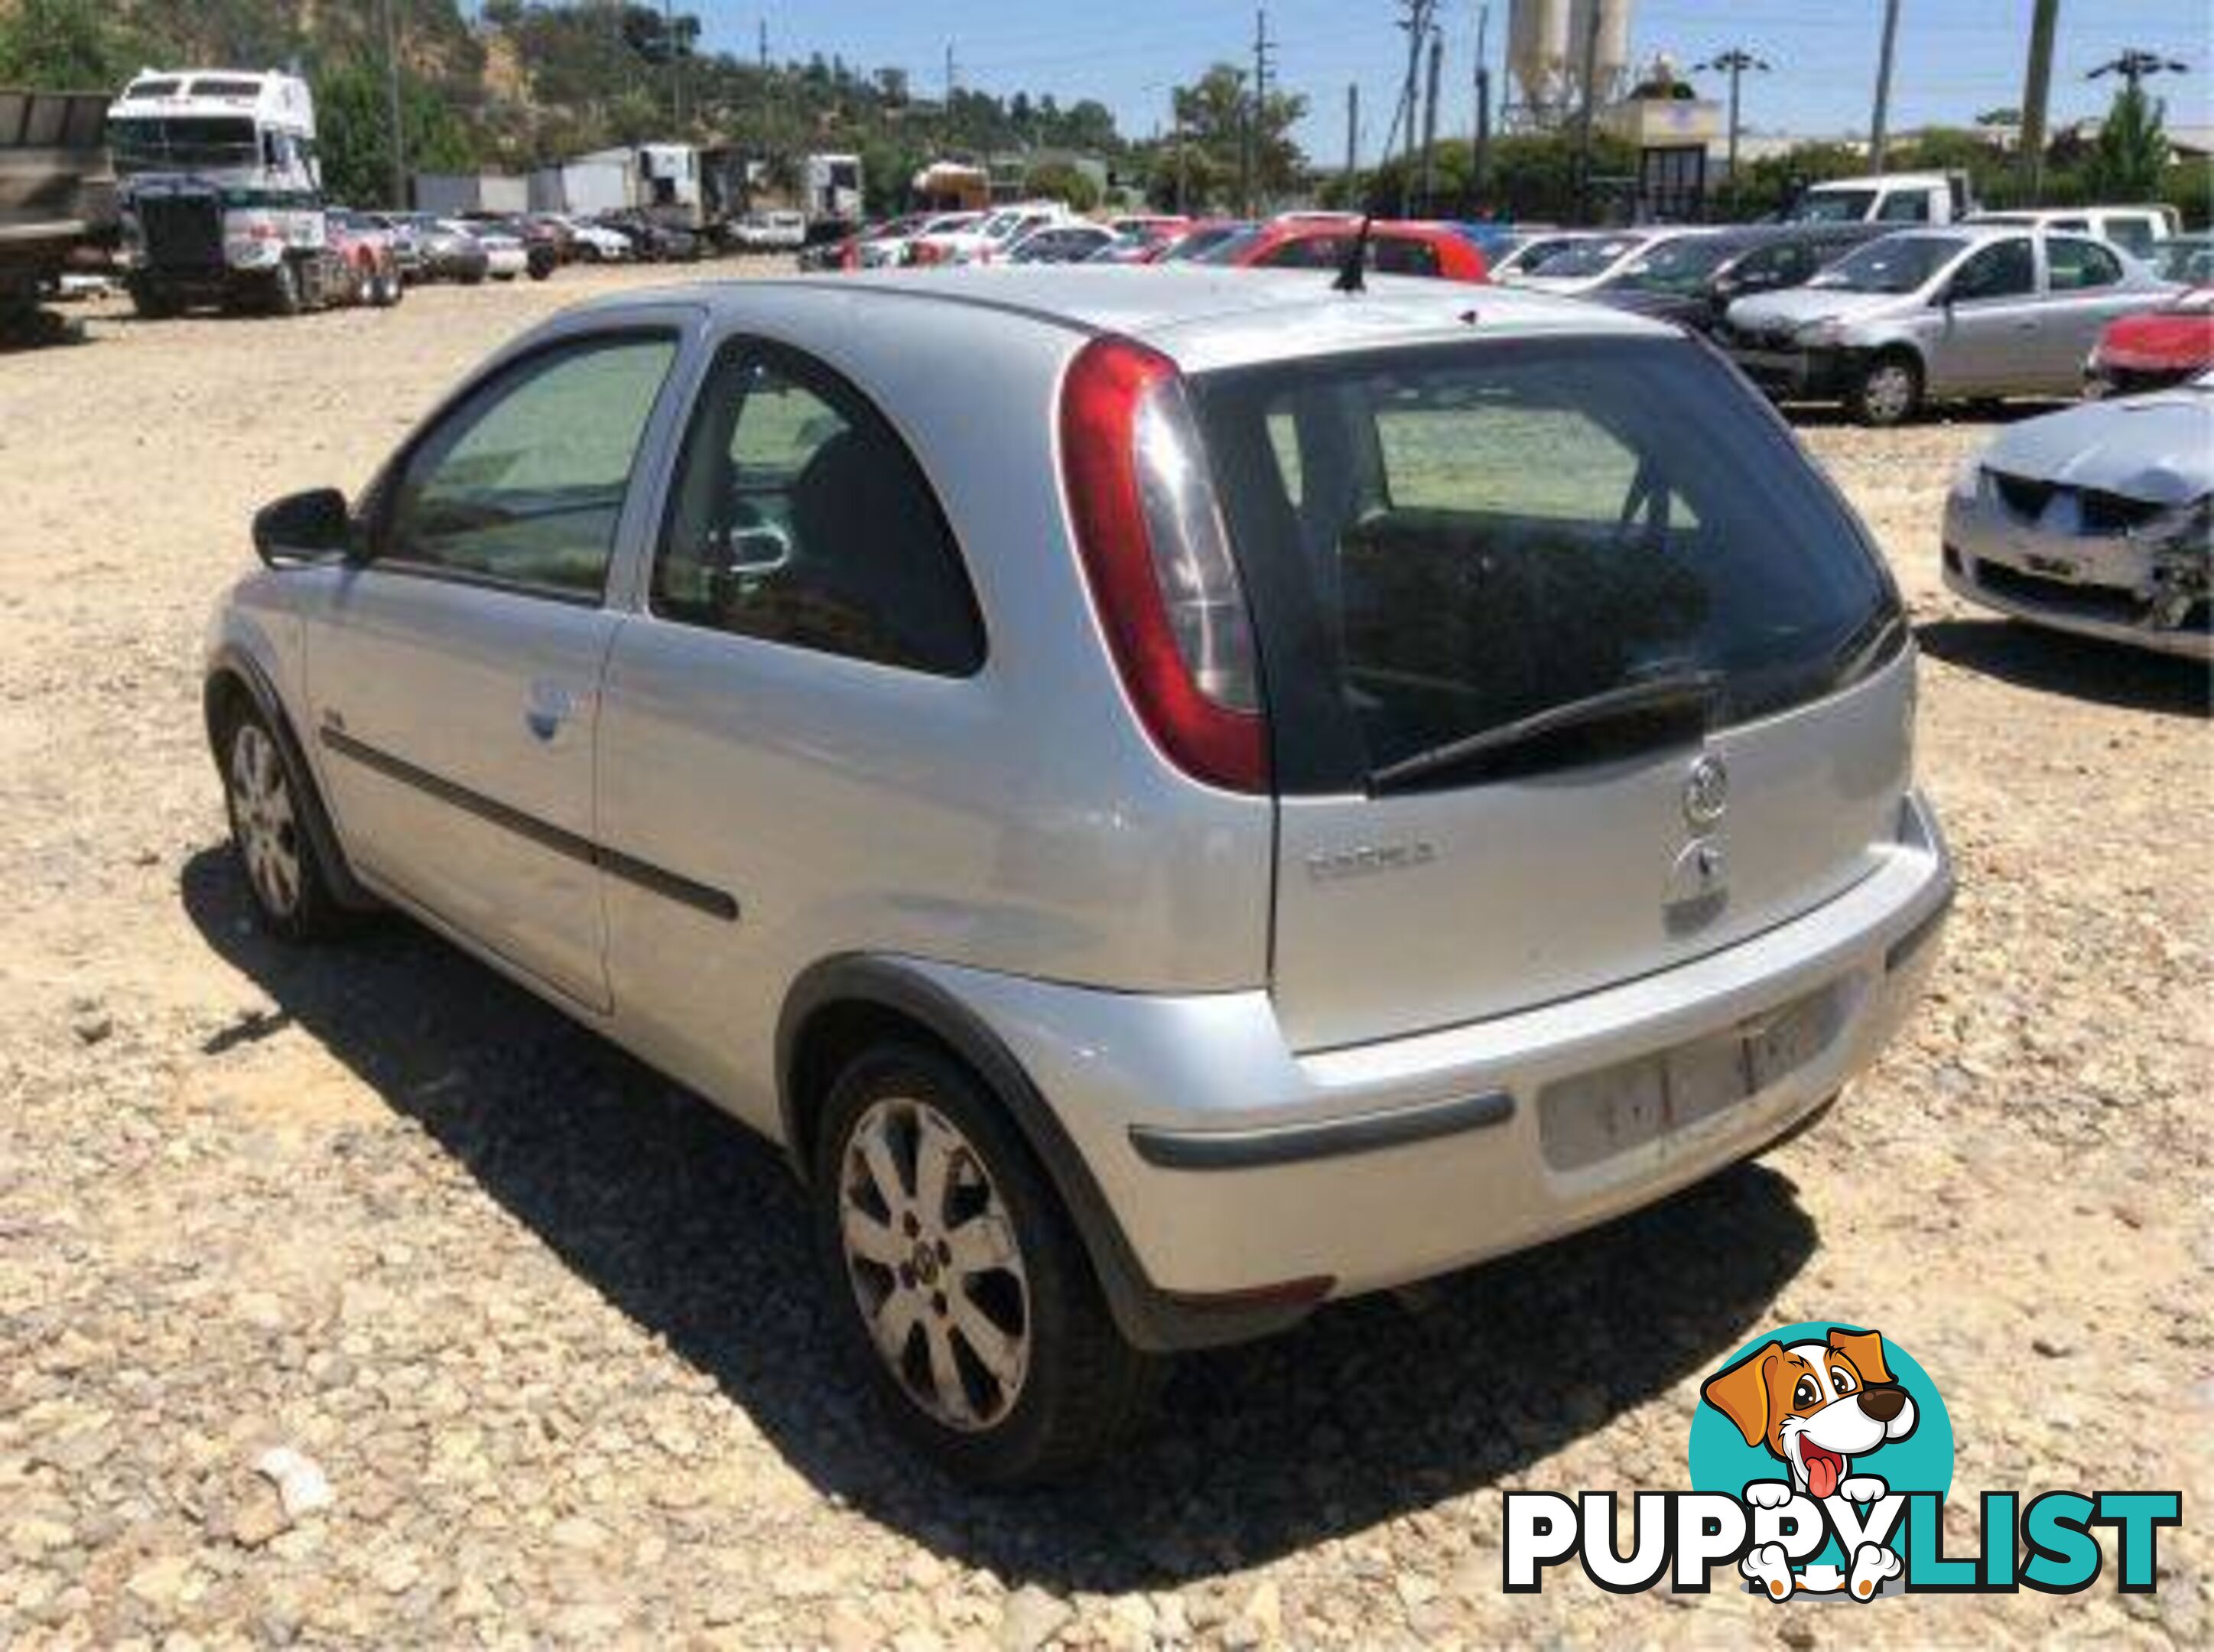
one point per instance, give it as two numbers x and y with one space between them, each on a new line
300 1484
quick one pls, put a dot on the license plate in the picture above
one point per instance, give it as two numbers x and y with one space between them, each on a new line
1595 1116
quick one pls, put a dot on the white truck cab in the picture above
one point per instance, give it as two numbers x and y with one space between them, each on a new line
1885 198
221 192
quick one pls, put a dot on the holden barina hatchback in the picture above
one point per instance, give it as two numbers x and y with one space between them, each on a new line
1175 796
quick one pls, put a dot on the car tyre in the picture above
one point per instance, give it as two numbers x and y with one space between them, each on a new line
286 297
987 1341
268 800
1886 392
152 302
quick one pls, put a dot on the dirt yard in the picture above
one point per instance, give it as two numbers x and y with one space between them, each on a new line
546 1325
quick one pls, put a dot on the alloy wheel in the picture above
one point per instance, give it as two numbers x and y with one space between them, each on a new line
263 820
1890 392
936 1267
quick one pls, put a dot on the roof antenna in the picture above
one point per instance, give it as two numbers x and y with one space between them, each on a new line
1351 277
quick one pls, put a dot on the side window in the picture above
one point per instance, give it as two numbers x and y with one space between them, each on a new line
523 484
800 518
2133 236
1307 253
2005 269
2078 266
1403 255
1905 206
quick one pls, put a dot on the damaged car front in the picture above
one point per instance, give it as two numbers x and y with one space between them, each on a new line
2098 520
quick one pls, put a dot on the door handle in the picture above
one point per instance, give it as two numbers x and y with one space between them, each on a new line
549 706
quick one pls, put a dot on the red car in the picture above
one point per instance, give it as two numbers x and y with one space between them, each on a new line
1396 247
2155 348
370 258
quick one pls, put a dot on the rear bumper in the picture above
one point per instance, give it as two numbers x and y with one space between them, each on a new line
1235 1168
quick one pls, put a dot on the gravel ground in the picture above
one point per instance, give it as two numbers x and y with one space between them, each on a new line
545 1325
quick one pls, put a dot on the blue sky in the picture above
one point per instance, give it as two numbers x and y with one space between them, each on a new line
1956 57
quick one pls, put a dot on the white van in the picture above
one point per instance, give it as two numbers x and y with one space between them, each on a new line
2137 231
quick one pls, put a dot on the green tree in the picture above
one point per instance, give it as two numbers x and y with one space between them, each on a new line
354 122
69 46
1213 115
2131 149
1058 180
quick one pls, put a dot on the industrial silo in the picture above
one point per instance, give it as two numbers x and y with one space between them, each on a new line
1538 54
1610 51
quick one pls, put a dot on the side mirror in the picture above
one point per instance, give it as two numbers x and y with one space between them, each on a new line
310 527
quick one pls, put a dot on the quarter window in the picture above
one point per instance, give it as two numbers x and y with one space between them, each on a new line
2077 266
800 518
523 485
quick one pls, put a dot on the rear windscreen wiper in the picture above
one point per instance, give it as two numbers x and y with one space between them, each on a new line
1865 645
1682 690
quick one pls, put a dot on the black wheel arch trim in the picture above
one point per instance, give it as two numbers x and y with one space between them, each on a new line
1335 1138
1157 1320
232 662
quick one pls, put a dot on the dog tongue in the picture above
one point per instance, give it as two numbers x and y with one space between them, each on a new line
1822 1476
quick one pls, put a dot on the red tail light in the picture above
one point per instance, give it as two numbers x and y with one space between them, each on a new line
1158 562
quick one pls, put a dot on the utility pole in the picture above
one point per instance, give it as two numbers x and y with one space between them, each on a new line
392 110
1480 149
2037 94
1430 126
761 44
1250 156
1590 78
1880 121
676 62
1352 137
1417 25
1734 62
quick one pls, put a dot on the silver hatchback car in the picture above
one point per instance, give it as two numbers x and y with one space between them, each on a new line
1176 796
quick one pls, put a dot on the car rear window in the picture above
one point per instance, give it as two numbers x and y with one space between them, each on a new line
1440 541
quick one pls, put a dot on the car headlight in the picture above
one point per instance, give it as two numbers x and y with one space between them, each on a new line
1822 333
1968 480
2186 530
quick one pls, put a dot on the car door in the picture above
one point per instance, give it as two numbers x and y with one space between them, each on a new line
1987 342
802 657
453 672
2085 290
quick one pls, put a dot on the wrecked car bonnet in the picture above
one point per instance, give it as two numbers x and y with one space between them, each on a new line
2157 448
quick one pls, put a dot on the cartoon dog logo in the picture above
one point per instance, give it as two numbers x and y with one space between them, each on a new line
1816 1406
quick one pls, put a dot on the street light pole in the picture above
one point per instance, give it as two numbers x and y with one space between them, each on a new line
1735 61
